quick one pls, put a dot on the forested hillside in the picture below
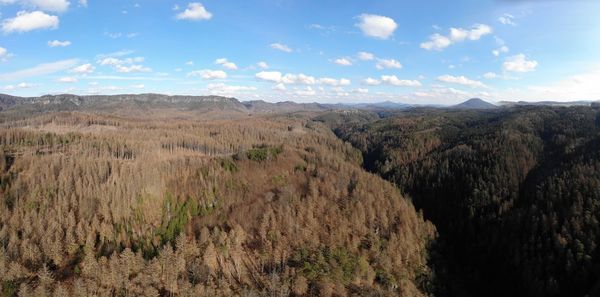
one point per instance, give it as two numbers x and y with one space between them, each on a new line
514 193
106 205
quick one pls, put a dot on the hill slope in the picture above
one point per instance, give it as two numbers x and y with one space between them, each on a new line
258 206
514 193
474 103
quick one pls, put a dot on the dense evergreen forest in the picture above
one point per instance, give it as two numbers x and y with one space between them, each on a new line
95 204
514 193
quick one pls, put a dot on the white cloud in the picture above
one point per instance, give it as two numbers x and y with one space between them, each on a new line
39 70
460 80
279 87
138 86
439 42
57 43
132 68
67 79
221 88
189 63
45 5
583 86
273 76
387 63
28 21
115 35
308 91
394 81
343 62
226 64
365 56
83 69
208 74
298 79
281 47
22 85
436 42
4 54
519 63
500 50
334 82
263 65
83 3
371 81
507 19
361 91
376 26
126 65
490 75
194 12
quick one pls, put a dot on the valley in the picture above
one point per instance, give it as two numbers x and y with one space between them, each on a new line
216 198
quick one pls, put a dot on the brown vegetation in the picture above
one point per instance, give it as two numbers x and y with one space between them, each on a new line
99 205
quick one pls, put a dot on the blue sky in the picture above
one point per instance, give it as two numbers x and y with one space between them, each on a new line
326 51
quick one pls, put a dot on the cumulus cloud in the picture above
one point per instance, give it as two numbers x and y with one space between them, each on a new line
334 82
45 5
519 63
272 76
507 19
395 81
263 65
67 79
226 64
22 85
29 21
222 88
439 42
208 74
39 70
362 91
490 75
83 69
195 11
279 87
300 79
281 47
58 43
500 50
371 81
387 63
132 68
4 54
308 91
460 80
376 26
112 61
365 56
343 62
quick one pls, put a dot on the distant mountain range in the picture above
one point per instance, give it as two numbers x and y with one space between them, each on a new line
130 104
546 103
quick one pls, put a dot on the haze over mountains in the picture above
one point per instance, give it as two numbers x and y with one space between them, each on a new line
123 102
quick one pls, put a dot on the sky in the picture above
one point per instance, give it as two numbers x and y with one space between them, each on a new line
347 51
